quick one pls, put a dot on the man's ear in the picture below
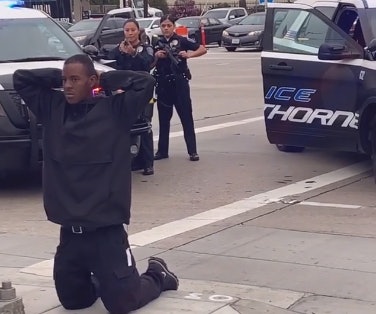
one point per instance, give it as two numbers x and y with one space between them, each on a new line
93 79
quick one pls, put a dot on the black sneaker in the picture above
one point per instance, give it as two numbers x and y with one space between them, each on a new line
170 281
194 157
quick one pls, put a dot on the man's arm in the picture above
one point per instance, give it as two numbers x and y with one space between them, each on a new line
138 87
36 87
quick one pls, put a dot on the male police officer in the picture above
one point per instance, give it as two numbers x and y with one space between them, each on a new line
87 182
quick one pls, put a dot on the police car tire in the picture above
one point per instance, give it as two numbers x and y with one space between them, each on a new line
372 138
232 49
289 148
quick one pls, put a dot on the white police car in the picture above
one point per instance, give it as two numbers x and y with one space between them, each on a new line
29 39
319 75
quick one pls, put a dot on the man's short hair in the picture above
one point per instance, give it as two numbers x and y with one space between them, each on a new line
85 61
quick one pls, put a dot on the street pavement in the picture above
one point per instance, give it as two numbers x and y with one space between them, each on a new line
303 252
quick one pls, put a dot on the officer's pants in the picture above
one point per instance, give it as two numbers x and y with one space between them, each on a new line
104 254
175 93
145 157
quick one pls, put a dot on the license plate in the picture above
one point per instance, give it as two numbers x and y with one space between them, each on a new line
235 41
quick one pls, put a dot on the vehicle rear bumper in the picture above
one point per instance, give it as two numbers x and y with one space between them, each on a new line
244 42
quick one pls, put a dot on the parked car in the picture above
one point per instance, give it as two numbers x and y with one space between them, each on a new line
213 28
151 26
50 45
247 33
84 30
231 15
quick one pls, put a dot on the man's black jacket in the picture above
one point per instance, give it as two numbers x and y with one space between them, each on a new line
86 146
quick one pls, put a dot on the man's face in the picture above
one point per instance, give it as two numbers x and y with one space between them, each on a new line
167 28
77 83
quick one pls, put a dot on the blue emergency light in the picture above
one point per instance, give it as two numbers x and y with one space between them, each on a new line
12 3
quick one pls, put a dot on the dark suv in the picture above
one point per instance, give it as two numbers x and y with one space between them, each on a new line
32 40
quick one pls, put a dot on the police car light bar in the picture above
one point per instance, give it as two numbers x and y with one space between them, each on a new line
11 3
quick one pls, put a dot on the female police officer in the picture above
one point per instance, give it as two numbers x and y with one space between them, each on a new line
172 75
132 54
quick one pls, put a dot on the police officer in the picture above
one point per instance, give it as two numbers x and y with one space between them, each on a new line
87 182
172 75
132 54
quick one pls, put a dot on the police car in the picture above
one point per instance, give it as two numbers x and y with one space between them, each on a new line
319 75
30 39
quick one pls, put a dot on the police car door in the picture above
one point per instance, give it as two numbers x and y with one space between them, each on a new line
309 101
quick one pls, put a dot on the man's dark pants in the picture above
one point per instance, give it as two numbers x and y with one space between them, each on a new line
170 93
105 253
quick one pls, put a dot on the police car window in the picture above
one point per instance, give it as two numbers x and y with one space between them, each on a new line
302 32
35 38
327 11
371 18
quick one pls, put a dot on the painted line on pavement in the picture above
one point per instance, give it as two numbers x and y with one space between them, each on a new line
319 204
215 127
180 226
227 211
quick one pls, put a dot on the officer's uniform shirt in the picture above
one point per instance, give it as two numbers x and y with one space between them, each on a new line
164 66
141 61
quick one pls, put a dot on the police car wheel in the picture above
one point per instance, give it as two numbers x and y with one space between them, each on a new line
289 148
231 49
372 139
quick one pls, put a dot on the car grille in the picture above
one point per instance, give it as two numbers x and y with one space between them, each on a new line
238 34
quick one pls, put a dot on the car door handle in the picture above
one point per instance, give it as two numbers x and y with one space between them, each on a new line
281 67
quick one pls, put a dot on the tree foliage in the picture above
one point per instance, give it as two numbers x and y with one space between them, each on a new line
183 8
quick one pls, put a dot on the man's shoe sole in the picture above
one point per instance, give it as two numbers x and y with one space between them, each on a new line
163 264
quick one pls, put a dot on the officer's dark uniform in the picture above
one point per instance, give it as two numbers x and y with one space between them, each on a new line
173 89
141 61
87 186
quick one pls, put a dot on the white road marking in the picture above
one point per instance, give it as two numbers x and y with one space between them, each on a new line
215 127
330 205
180 226
220 213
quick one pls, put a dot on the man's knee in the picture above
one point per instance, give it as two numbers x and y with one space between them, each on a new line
75 294
76 302
121 304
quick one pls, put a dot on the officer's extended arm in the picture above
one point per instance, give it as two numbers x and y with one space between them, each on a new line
138 87
36 87
193 53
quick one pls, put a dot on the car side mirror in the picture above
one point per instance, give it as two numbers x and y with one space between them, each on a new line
335 52
155 26
231 17
92 51
372 46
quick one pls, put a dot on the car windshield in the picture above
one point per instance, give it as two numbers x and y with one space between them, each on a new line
253 19
218 14
85 25
145 23
35 39
188 22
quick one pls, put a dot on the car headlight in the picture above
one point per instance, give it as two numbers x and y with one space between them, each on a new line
225 33
254 33
79 38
